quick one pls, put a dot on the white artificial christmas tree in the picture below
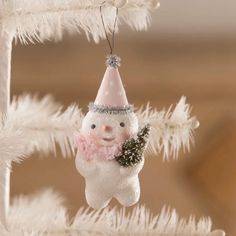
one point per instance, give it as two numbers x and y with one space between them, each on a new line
28 124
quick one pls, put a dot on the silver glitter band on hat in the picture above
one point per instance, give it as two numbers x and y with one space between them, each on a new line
114 110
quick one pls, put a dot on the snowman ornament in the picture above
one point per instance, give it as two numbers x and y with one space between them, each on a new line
111 145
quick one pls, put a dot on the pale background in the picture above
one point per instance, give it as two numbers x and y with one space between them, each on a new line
190 49
204 18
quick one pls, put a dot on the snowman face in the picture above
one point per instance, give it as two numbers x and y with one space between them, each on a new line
109 129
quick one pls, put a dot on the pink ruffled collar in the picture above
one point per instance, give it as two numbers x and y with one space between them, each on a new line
91 149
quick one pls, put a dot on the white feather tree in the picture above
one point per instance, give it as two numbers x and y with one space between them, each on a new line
171 129
12 145
40 124
45 123
47 19
30 124
47 214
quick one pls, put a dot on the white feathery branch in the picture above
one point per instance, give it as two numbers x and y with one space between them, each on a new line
171 129
43 124
139 222
44 214
12 145
47 19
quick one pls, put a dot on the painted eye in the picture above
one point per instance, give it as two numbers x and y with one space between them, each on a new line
122 124
93 126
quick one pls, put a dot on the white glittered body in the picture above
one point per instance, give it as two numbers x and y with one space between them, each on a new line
106 179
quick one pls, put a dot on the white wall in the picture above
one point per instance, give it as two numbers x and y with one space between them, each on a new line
197 17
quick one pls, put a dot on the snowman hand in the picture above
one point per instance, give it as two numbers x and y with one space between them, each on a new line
132 170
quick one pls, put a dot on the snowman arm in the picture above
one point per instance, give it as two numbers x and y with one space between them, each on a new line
171 129
85 167
132 170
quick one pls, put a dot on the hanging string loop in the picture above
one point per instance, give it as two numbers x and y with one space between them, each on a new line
111 42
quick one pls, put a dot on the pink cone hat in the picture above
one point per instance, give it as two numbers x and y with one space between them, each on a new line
111 94
111 91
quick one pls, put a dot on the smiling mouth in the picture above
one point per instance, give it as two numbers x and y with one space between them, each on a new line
108 139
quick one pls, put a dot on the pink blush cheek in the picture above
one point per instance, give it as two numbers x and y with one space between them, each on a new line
124 135
94 136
